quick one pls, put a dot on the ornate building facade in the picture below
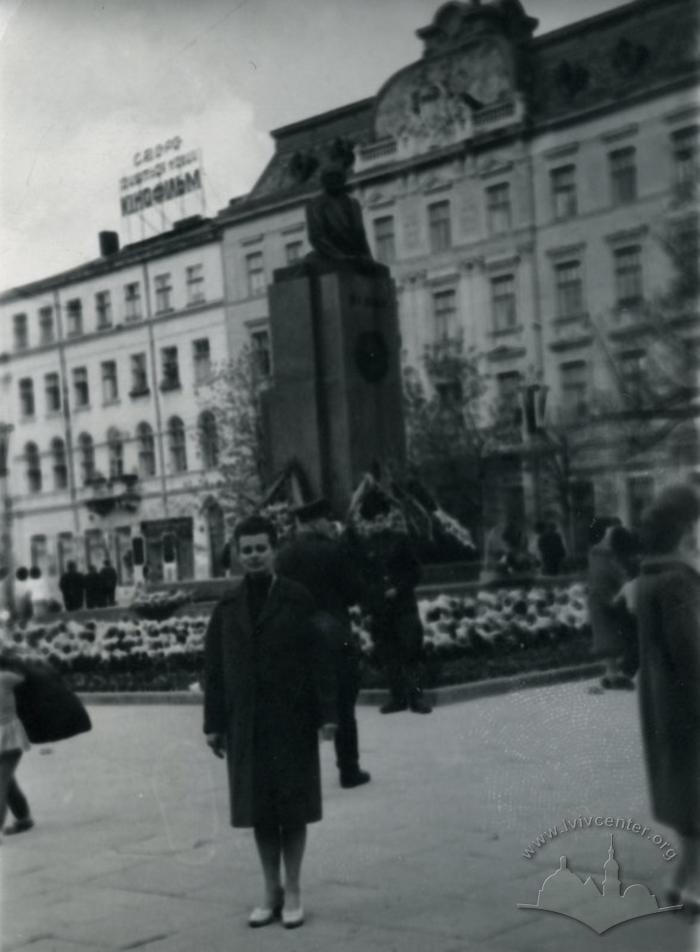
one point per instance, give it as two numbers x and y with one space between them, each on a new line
522 189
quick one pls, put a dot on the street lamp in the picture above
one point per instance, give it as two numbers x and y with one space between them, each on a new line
6 573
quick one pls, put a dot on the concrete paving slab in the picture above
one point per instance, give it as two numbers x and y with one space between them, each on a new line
132 845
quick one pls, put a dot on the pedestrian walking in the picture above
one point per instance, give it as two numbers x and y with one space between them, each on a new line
72 585
668 611
268 691
23 597
551 549
321 561
379 534
13 743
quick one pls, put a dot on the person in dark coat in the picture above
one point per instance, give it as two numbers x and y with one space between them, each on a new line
668 614
108 583
93 588
552 549
323 564
607 573
268 690
392 572
72 585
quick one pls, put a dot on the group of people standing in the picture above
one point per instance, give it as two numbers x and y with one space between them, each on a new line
91 589
281 665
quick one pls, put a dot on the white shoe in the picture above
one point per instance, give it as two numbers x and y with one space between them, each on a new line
293 919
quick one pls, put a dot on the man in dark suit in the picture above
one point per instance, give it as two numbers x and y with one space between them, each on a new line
72 585
268 689
321 562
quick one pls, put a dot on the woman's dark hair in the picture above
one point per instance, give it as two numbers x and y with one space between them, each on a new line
624 544
668 518
22 574
255 525
35 572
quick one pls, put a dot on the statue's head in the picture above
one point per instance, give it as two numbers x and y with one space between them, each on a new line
334 178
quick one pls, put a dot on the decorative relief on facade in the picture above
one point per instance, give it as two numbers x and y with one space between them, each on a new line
411 229
468 210
432 101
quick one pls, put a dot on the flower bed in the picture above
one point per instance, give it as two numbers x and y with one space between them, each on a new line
466 638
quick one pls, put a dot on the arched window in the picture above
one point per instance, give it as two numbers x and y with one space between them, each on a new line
177 445
86 449
146 450
208 440
115 452
33 463
60 465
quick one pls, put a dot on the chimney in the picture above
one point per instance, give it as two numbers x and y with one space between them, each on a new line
109 243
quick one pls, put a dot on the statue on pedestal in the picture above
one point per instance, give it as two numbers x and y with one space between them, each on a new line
334 221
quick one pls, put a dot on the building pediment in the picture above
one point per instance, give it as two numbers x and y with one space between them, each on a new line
432 103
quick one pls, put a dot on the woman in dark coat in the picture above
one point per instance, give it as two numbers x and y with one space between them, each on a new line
668 614
268 689
607 573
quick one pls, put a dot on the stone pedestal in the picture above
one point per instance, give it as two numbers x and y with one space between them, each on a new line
335 404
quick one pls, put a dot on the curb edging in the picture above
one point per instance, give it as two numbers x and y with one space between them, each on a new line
373 697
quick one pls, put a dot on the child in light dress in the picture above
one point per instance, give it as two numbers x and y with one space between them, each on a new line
13 743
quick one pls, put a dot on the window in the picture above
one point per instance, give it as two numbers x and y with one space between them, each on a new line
163 293
574 389
439 226
139 375
685 156
503 303
52 391
255 271
208 440
60 466
46 327
623 176
132 300
146 450
38 552
169 368
498 208
21 332
115 453
81 391
631 371
74 318
110 386
509 384
202 361
33 467
26 397
628 276
86 454
292 251
103 307
569 289
261 353
384 239
195 284
444 313
564 201
177 445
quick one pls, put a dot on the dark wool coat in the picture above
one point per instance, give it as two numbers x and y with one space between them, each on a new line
605 579
285 695
668 614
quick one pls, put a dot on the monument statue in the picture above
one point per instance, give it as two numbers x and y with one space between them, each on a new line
334 220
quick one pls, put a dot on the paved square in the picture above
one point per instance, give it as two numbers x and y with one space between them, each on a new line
132 847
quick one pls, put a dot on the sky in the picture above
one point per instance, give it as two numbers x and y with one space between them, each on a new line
84 84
